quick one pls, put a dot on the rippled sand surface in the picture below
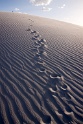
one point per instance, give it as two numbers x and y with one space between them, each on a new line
41 71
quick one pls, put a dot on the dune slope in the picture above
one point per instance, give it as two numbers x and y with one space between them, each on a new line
41 71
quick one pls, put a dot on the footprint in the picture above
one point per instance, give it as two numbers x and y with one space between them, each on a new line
63 87
65 95
55 79
43 41
41 51
59 114
42 70
36 43
68 109
53 76
69 115
36 36
40 64
53 90
34 50
42 54
37 57
46 120
31 25
42 47
33 32
28 29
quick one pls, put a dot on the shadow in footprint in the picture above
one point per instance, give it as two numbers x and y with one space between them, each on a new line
64 87
64 94
46 120
34 38
42 70
28 29
68 109
55 88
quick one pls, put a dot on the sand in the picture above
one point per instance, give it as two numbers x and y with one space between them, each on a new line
41 70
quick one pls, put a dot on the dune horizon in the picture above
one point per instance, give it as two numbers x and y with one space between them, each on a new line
63 21
41 70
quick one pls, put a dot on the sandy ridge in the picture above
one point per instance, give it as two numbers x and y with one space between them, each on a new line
40 78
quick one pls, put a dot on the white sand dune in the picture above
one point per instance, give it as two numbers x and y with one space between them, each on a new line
41 71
